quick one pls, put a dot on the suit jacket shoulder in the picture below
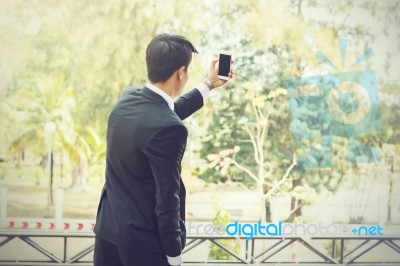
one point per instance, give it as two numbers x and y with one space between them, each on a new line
143 110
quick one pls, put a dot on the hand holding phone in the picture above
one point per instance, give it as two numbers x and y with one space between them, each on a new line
224 65
220 71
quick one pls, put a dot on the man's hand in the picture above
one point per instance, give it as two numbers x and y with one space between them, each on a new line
213 74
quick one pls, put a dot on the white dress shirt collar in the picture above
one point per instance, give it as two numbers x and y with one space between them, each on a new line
165 96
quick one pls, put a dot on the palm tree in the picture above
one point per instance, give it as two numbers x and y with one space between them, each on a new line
52 100
29 109
84 148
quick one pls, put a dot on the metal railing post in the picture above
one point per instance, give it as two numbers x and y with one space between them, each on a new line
59 208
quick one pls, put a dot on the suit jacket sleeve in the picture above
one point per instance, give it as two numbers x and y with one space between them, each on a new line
164 151
188 104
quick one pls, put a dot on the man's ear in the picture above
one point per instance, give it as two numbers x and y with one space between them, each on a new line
181 72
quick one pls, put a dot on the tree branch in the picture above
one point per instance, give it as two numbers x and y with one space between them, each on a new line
285 176
298 206
253 141
265 129
244 169
260 113
253 106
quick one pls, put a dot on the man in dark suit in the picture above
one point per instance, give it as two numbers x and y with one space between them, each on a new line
141 214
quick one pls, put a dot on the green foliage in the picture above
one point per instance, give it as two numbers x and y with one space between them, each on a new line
77 59
222 217
69 62
336 255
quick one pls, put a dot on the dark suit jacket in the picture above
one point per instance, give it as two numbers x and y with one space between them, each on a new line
142 206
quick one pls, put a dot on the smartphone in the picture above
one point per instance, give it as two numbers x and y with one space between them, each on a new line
224 65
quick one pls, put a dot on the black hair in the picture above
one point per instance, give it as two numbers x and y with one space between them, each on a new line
165 54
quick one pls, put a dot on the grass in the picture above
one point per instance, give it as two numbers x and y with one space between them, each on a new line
27 194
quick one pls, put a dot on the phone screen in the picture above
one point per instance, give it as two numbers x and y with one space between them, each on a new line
224 65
